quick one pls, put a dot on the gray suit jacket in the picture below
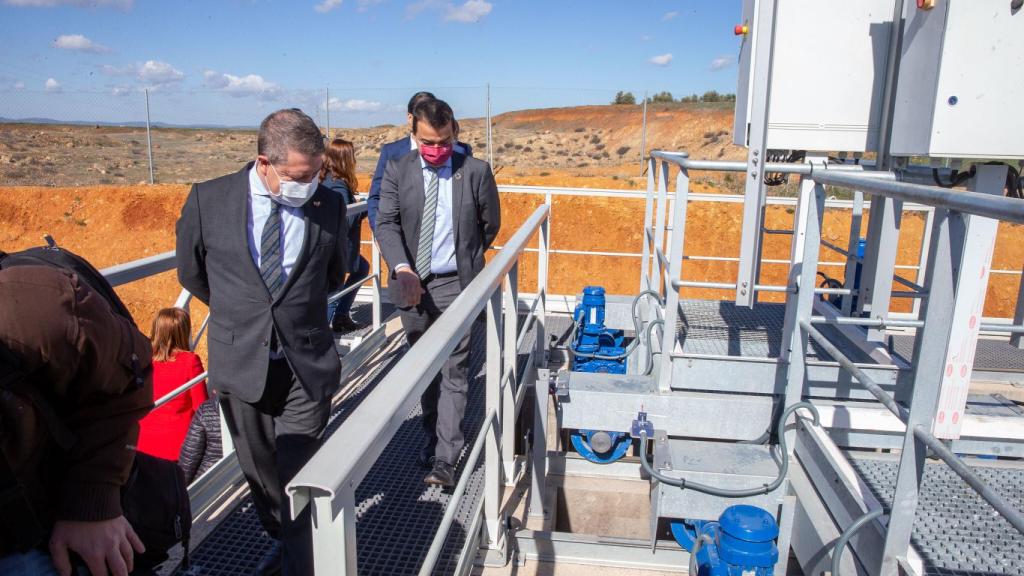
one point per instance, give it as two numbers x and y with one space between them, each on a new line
475 206
215 265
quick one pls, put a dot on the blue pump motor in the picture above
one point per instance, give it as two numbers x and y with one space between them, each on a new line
601 447
592 338
739 543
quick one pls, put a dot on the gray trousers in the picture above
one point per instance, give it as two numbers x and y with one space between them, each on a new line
444 401
274 438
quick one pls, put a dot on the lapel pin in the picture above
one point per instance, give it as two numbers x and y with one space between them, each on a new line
316 203
458 175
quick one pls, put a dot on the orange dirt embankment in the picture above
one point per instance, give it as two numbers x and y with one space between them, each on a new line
110 225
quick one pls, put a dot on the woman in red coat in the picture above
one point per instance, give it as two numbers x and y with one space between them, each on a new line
163 430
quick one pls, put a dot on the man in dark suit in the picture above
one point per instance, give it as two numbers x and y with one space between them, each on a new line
263 248
400 148
439 213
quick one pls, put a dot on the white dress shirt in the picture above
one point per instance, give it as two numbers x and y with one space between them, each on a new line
442 254
293 226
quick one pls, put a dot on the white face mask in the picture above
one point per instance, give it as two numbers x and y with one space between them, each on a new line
293 193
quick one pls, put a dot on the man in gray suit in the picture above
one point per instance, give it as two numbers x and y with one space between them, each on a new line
263 248
438 214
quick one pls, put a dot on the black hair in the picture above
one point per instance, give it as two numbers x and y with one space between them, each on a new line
435 112
419 97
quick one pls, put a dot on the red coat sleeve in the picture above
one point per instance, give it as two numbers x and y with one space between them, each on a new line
198 392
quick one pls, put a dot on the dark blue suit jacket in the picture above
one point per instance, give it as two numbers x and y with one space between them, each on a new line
395 149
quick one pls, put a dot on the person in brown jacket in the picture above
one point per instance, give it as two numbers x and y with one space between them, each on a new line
84 360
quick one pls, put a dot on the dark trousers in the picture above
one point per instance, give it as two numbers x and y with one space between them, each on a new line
273 440
444 401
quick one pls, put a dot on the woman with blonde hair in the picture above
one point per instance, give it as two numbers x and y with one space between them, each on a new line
339 174
163 430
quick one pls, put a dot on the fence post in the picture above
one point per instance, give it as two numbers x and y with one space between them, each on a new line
492 454
487 133
539 450
149 140
510 374
643 137
334 533
675 271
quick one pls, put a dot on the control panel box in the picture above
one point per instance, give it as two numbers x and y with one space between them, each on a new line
960 86
828 73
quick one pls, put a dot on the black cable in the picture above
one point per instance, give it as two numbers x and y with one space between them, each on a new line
726 493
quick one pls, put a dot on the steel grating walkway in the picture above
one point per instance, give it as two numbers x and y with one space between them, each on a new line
397 515
720 328
955 531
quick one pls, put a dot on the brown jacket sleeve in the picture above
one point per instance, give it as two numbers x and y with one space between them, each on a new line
80 355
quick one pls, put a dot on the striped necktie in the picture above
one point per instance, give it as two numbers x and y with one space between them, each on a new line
426 245
270 252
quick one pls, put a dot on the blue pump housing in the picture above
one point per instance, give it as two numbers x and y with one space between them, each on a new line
592 337
740 542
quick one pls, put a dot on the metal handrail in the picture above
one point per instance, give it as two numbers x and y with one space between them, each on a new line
346 458
684 161
460 489
977 203
1013 516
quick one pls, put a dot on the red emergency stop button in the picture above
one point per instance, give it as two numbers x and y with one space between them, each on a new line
741 30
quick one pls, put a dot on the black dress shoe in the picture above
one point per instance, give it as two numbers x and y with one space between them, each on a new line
270 564
345 323
425 458
442 474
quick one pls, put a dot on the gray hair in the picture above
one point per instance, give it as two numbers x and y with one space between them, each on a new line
289 130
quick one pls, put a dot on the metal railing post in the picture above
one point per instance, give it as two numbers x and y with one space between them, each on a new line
510 373
850 275
800 296
659 226
492 454
675 262
539 449
377 284
922 261
928 361
334 533
754 195
646 251
879 261
1018 315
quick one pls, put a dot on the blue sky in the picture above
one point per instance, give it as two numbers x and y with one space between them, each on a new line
232 61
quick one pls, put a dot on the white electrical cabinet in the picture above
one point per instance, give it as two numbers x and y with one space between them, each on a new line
828 74
960 88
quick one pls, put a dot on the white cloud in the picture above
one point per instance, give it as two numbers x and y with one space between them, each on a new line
413 10
249 85
661 59
122 4
19 85
327 5
669 15
365 5
121 90
646 38
471 11
354 105
78 43
126 70
723 62
52 85
156 73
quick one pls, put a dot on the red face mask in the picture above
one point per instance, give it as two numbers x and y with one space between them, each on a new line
436 155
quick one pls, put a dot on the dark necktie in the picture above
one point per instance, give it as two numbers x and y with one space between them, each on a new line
270 252
426 245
